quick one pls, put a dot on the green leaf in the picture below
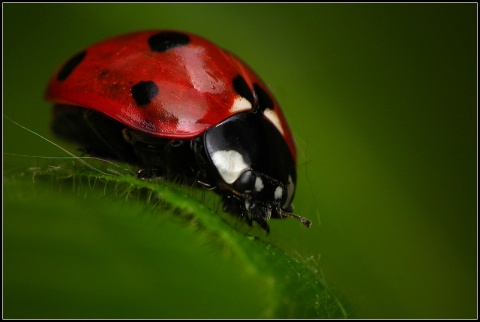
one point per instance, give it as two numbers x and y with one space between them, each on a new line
98 242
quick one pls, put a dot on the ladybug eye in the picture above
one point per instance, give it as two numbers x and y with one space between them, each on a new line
246 182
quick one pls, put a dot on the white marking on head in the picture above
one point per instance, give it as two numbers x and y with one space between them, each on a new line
258 184
240 104
278 193
273 117
230 164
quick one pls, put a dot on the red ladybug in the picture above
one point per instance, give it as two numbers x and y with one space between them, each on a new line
183 108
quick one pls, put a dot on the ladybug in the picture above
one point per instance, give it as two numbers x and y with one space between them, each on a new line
181 108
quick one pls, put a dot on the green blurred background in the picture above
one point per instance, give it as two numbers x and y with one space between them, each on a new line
382 102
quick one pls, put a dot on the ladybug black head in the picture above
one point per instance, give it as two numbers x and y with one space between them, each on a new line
250 162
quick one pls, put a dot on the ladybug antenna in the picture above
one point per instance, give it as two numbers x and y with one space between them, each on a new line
304 221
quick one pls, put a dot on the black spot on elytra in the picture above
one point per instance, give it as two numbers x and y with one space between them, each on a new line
70 65
166 40
144 92
242 89
264 100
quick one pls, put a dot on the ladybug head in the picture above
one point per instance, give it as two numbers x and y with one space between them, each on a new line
250 163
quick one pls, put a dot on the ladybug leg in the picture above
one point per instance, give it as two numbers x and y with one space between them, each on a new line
202 177
98 134
161 157
205 185
147 174
108 133
261 214
236 206
263 224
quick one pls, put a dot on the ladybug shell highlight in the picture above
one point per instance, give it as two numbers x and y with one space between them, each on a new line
165 83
